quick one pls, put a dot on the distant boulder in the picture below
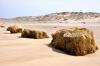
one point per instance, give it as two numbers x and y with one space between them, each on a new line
74 41
27 33
15 29
1 26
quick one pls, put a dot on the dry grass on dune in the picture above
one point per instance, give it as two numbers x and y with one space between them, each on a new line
75 41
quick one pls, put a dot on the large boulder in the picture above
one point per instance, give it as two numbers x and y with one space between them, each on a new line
74 41
27 33
15 29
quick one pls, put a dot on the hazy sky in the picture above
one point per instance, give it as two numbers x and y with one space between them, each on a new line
14 8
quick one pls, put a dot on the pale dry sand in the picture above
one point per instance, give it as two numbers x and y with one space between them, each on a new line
16 51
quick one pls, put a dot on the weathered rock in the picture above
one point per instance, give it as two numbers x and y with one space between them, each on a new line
34 34
1 26
14 29
74 41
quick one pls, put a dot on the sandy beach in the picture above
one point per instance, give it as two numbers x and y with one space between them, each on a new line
49 32
17 51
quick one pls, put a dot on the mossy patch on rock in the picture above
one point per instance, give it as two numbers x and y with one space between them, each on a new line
74 41
27 33
14 29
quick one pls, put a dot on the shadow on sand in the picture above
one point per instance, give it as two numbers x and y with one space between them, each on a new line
58 50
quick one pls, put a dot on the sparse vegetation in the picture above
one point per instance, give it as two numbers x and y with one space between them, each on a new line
62 16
